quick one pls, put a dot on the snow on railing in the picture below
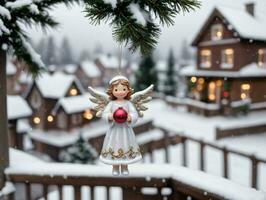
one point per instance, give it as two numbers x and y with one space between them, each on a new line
182 182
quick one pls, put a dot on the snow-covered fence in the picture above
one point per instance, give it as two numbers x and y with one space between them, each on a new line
171 138
146 181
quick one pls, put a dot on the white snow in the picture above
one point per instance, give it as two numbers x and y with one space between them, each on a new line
251 70
55 85
246 25
3 28
10 68
112 2
90 69
25 78
18 3
138 14
5 12
74 104
110 61
7 189
70 68
23 126
258 105
17 107
203 181
149 136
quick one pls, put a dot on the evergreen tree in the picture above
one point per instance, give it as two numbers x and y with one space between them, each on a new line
49 57
85 55
146 74
170 83
41 47
80 152
65 53
185 53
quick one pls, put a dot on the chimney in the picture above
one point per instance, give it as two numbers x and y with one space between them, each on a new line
250 8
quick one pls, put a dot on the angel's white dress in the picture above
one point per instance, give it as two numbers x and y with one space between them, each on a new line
120 146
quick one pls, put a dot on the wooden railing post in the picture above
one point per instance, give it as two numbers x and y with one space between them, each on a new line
225 158
166 145
28 191
202 155
60 192
77 191
45 192
92 193
254 172
184 151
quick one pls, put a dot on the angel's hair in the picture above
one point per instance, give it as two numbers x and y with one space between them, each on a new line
115 83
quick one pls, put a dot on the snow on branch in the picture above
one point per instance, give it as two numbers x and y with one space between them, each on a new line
112 2
5 12
34 56
3 28
137 14
18 4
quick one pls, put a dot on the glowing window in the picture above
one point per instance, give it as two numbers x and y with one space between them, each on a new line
217 32
262 57
227 58
205 58
245 91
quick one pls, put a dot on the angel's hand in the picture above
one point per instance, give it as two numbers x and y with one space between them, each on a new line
110 117
128 118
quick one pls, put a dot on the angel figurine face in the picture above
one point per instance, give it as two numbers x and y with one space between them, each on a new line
120 90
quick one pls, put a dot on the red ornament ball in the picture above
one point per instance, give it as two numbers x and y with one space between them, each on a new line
120 115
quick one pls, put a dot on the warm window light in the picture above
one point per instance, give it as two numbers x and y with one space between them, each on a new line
212 97
201 80
212 85
243 96
205 60
217 32
261 57
193 79
229 51
50 118
219 83
245 86
73 92
36 120
87 115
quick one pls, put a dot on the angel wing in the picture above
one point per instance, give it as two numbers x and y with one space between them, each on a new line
140 98
100 99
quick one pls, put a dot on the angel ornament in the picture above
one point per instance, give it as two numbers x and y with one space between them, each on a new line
121 109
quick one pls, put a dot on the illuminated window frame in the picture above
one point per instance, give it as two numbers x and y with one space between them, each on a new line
227 61
245 91
205 58
217 32
262 57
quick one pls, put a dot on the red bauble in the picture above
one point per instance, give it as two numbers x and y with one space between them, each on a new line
225 94
120 115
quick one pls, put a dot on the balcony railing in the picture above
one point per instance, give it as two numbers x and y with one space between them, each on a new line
165 182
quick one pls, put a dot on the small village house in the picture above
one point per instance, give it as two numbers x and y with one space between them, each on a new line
231 63
18 112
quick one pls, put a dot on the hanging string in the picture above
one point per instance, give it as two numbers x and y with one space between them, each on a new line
120 60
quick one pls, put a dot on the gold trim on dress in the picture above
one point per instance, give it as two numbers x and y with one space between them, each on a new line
130 154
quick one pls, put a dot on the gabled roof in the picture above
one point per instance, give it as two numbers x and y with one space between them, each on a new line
250 70
73 104
90 69
17 107
10 68
110 61
247 26
55 85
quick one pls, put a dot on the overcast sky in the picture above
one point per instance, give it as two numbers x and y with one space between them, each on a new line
82 35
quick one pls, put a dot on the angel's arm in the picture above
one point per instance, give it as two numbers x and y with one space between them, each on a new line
107 111
133 114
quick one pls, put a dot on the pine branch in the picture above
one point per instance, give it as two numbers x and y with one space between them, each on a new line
131 30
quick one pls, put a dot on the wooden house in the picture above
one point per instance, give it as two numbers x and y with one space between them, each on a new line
18 112
45 92
87 72
230 71
109 66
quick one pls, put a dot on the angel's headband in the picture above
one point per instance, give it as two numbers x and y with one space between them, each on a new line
118 77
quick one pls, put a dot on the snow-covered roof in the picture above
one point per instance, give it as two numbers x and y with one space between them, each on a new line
110 61
10 68
56 85
65 138
238 20
73 104
251 70
25 78
23 126
70 68
17 107
90 69
247 26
